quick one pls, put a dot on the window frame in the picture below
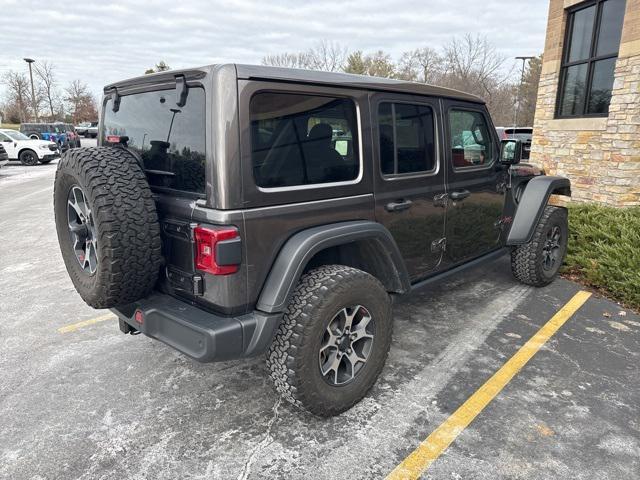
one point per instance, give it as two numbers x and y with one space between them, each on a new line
436 144
309 186
589 61
495 151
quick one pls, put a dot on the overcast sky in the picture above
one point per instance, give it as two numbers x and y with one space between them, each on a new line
101 41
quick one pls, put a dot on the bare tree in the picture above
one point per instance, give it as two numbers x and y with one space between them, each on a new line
18 92
472 64
288 60
327 56
82 102
48 85
421 65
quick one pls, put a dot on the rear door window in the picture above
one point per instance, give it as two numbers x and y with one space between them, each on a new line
301 139
169 139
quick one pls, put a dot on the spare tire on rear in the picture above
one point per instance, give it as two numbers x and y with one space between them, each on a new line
107 225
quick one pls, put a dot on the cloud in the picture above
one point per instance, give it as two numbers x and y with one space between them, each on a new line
101 42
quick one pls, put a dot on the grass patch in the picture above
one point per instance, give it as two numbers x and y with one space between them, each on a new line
13 126
604 250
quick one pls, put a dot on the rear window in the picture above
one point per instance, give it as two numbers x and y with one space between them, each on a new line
169 139
303 139
523 134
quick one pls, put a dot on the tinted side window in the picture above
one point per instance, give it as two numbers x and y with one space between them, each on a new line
407 136
303 139
471 143
170 140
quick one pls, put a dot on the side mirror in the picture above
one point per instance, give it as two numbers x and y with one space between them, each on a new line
510 152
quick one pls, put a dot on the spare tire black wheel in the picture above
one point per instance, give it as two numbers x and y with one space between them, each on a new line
107 225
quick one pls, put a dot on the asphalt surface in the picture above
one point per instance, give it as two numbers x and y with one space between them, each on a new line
94 403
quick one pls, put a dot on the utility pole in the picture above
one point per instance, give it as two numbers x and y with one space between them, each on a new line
33 91
524 62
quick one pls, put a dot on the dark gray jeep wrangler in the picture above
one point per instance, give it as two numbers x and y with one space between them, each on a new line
231 210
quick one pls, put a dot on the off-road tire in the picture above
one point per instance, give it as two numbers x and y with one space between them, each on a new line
126 223
527 259
28 157
293 355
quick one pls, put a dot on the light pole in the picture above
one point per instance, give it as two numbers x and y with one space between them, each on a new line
33 91
524 61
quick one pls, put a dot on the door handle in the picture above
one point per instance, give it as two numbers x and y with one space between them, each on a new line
398 206
459 195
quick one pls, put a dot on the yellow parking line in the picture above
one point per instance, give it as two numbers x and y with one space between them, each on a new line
430 449
76 326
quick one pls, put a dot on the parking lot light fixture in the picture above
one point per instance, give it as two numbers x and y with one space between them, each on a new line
33 91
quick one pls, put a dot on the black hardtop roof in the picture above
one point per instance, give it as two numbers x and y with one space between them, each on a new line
294 75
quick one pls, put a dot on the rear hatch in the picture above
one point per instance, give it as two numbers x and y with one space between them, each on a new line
168 136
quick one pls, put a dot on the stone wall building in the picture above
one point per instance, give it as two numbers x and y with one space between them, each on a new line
587 121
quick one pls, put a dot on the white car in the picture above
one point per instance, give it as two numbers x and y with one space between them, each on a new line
29 151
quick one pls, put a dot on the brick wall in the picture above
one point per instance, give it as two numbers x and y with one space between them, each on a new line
601 156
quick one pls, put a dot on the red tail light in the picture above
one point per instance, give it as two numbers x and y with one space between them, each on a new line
207 241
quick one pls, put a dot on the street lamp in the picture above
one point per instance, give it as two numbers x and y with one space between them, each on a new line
33 91
524 61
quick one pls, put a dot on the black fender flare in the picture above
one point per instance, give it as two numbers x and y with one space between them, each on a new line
532 203
301 247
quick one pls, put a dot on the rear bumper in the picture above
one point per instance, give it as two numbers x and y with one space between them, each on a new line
203 336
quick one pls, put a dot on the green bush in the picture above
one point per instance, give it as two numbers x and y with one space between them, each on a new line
604 250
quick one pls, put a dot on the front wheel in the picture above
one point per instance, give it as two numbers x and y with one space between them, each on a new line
28 158
537 263
333 340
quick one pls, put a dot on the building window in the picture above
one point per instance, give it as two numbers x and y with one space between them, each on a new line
589 58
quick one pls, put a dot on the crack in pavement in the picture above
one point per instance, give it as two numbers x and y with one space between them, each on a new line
265 442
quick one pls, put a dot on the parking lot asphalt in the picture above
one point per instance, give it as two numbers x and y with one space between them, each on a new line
78 399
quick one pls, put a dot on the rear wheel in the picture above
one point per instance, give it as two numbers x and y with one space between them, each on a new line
333 340
28 157
538 262
34 136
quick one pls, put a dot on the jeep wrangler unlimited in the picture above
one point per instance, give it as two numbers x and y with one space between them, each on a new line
233 210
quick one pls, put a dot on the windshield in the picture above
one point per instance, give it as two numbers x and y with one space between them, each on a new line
16 135
169 139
